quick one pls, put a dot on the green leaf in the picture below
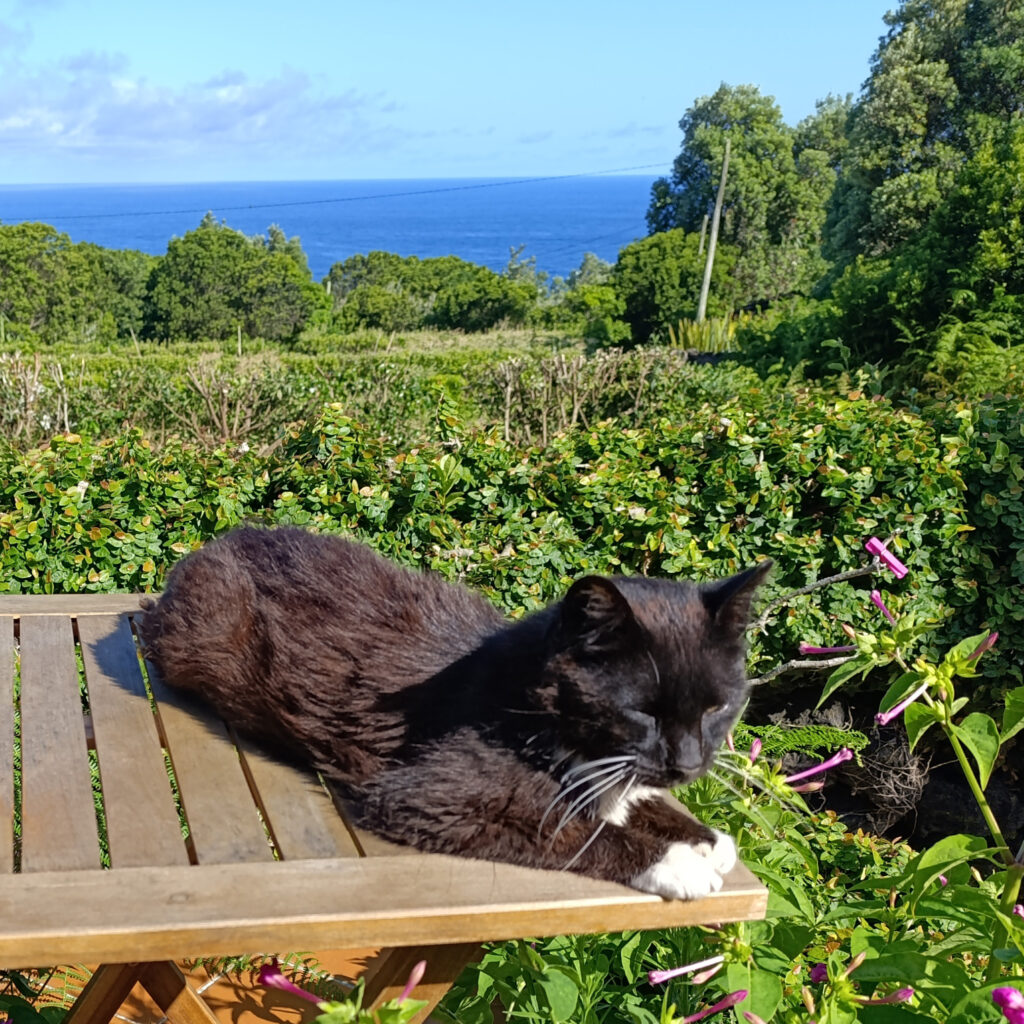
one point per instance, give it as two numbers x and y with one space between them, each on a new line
979 734
958 657
938 859
764 989
902 687
1013 714
845 672
561 993
917 719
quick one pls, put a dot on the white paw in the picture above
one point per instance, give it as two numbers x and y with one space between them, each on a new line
688 872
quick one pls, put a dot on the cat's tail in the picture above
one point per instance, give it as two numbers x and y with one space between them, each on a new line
201 629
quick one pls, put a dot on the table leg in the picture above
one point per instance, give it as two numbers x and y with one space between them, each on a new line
104 993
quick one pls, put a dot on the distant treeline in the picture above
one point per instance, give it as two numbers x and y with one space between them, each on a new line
216 282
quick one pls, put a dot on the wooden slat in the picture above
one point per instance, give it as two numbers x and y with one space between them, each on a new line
142 822
16 605
6 745
103 994
222 816
298 811
168 913
58 826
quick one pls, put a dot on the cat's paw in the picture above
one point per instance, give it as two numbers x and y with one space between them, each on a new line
689 871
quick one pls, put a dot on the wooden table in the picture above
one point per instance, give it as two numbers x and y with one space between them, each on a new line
120 863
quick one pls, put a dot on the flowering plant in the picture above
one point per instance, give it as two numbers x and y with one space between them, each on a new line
351 1010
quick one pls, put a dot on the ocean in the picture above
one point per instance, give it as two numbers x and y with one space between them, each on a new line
557 220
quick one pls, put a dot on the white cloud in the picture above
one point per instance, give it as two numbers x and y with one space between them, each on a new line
91 107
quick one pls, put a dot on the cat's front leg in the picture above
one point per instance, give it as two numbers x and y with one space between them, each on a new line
695 857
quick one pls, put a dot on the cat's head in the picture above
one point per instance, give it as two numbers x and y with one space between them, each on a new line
650 669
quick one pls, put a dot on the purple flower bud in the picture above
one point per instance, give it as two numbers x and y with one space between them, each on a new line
876 597
836 759
901 995
885 717
271 976
730 742
809 787
943 881
755 749
889 560
658 977
706 975
752 1018
987 644
811 649
1018 910
723 1004
1011 1002
819 973
415 977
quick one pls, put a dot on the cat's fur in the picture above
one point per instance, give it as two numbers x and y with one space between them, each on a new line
456 731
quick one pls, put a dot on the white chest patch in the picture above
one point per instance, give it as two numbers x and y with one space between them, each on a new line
615 805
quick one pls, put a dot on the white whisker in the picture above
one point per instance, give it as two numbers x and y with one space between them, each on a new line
585 765
600 787
599 773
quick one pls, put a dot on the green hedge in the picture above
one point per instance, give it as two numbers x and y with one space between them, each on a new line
800 477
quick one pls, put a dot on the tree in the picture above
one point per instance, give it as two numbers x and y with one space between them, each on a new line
658 280
945 72
774 201
216 280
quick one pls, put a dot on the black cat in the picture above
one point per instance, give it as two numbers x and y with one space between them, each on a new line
546 742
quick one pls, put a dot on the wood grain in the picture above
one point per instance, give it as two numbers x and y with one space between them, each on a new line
16 605
142 821
297 809
222 817
172 912
6 745
58 817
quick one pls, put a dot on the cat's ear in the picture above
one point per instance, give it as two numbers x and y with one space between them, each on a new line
729 600
596 616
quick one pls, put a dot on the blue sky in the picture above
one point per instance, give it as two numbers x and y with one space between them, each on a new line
218 90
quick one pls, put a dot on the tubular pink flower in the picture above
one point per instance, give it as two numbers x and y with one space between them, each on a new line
1018 910
811 649
723 1004
876 597
706 975
901 995
415 977
886 557
1011 1002
271 976
659 977
809 787
885 717
986 645
755 749
836 759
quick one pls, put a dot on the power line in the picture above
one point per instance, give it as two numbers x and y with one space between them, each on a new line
351 199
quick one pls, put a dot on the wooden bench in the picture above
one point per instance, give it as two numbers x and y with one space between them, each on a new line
101 872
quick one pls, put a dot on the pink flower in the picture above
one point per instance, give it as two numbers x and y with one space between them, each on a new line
706 975
885 717
811 649
901 995
271 976
755 749
809 787
1011 1002
876 597
943 881
886 557
987 644
659 977
819 973
836 759
1018 910
415 977
723 1004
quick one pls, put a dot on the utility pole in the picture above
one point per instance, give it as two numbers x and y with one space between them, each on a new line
702 306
